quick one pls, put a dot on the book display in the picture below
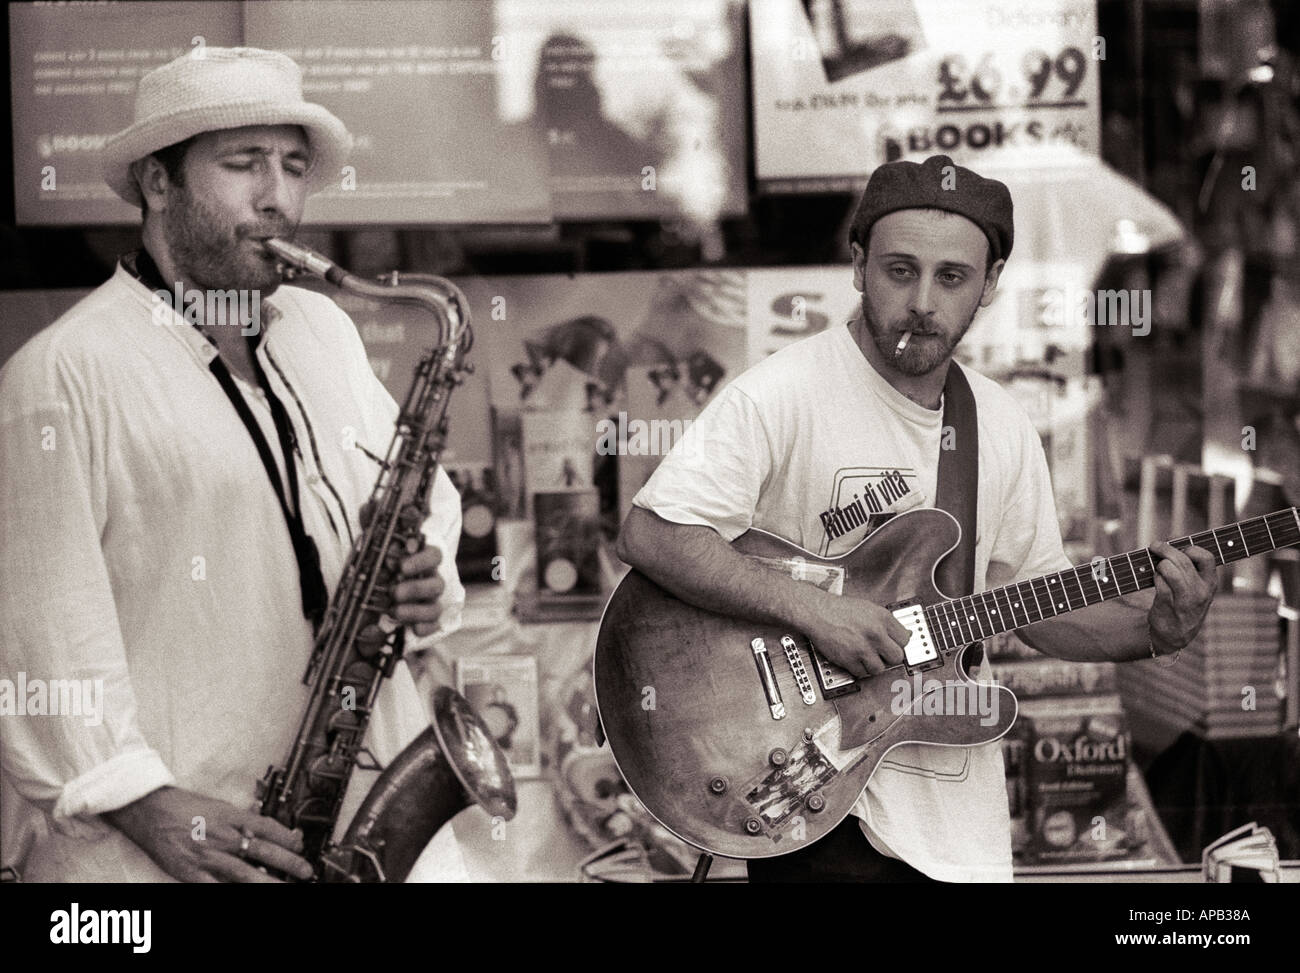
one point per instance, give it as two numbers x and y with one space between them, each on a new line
1076 795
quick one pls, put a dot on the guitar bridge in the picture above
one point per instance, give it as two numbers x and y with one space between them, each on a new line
800 673
768 678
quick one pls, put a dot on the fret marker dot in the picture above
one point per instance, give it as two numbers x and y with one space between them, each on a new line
995 611
1016 605
1230 543
972 618
1051 581
1060 605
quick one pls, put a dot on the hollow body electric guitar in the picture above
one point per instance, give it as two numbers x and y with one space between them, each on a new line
744 742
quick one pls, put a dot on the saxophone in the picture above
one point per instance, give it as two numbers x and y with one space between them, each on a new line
455 761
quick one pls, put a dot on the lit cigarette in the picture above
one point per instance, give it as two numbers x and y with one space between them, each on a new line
902 343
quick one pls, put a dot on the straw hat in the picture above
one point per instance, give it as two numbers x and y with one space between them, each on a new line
223 87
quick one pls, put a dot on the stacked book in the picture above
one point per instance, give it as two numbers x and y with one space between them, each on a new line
1225 683
1248 854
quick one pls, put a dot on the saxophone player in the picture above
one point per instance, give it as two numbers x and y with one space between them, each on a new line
180 491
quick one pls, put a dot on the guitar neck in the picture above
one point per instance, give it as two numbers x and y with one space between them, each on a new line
964 620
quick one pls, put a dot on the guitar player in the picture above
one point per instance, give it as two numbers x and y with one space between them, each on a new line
832 436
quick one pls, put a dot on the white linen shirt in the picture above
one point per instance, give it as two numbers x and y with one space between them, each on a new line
143 548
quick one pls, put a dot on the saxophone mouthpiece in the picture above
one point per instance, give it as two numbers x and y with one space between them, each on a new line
303 259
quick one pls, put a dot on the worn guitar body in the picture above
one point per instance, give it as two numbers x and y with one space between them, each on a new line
683 704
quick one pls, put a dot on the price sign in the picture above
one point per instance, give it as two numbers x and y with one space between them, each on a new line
1044 79
841 86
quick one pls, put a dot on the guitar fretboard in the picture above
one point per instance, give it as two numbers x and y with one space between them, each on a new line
965 620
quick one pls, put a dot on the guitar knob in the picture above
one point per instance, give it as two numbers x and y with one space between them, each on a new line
816 803
718 785
777 757
753 825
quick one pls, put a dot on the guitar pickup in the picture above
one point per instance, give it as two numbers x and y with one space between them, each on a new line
768 677
920 652
833 680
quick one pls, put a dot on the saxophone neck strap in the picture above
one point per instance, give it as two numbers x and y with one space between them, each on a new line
315 596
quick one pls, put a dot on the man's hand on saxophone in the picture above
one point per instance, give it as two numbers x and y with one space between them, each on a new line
416 596
233 846
237 843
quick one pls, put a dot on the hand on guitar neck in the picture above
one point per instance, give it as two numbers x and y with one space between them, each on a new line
1168 615
1185 585
700 568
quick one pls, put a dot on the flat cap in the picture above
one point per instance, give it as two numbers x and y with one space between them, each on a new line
911 185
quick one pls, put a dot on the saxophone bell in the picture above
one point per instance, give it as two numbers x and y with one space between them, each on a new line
451 765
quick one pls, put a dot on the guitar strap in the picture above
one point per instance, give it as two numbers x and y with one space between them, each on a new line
957 490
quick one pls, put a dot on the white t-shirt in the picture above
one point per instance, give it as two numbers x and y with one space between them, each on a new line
814 429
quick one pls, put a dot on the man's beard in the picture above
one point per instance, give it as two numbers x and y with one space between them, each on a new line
212 251
923 353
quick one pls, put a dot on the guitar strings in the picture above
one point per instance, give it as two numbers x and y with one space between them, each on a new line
1257 537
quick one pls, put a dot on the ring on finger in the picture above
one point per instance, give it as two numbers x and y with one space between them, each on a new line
245 843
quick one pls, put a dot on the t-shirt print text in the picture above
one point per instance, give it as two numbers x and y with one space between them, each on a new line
865 496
